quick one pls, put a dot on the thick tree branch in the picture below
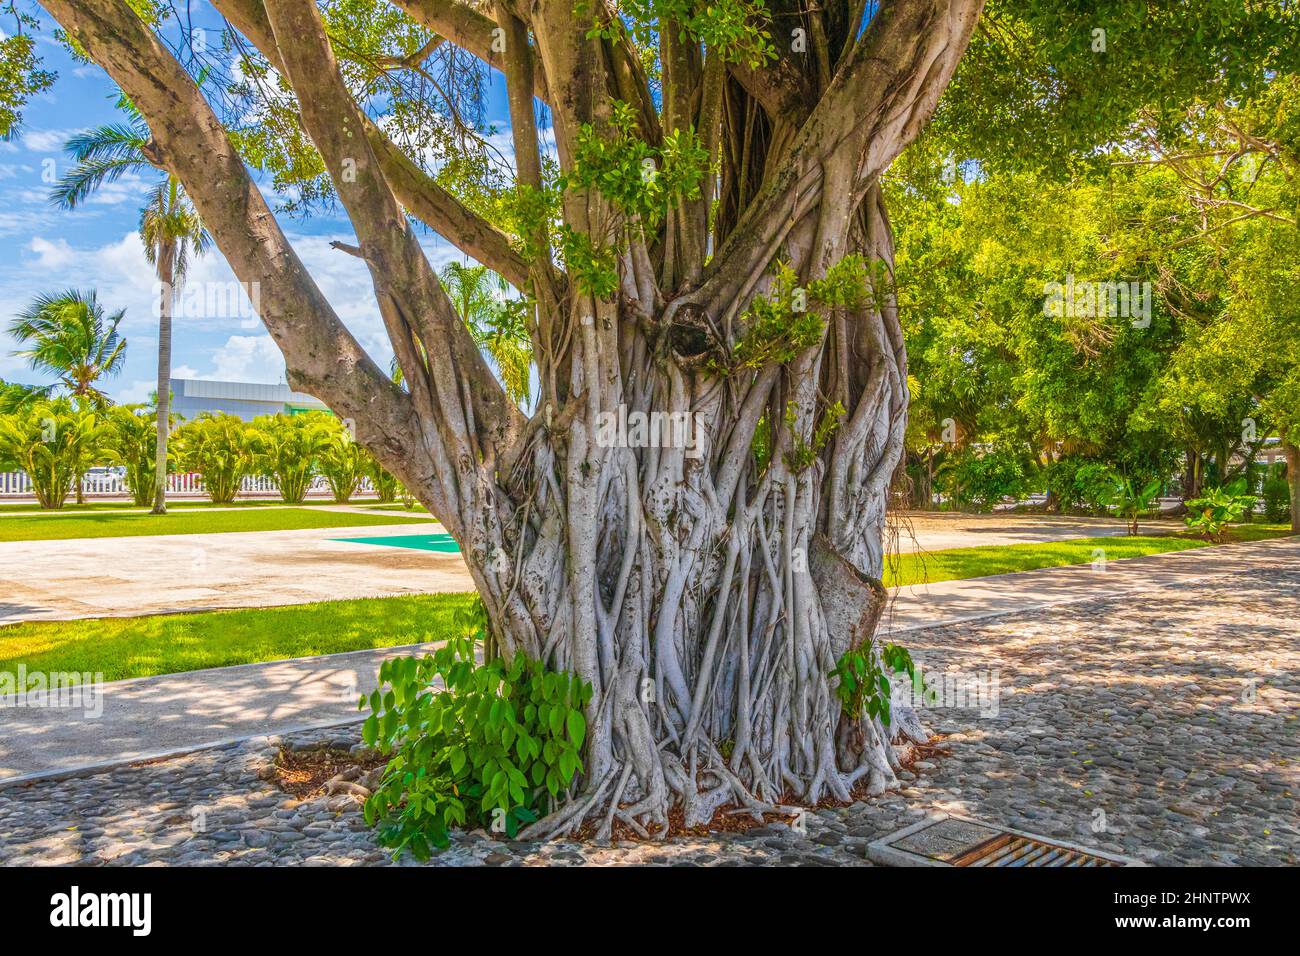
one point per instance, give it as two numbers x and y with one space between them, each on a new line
414 188
876 105
468 28
411 298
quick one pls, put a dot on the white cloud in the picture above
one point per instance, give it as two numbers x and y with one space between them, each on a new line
131 188
20 221
138 392
231 345
247 358
51 255
47 140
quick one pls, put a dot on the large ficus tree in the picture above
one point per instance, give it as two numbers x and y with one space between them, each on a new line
706 238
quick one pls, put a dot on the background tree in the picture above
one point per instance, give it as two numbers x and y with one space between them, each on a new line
67 335
54 443
495 320
219 448
131 438
16 397
169 228
288 449
710 238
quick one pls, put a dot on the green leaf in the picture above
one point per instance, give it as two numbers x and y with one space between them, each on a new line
577 726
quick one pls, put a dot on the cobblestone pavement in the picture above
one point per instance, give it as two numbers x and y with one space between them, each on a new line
1161 725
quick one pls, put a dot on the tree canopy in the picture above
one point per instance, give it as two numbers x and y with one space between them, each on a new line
689 199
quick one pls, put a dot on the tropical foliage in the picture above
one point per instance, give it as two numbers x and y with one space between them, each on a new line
343 463
288 449
69 336
491 745
219 448
1211 513
54 442
133 439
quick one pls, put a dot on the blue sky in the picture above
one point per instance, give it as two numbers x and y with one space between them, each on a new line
96 247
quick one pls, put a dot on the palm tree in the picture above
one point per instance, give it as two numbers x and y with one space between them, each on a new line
495 320
169 227
68 335
19 398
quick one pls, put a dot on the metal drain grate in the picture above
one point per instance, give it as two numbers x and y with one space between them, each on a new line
1010 850
946 840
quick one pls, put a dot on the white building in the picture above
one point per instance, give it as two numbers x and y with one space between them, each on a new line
192 396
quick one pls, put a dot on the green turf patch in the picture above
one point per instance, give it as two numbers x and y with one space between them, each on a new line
419 542
192 521
170 643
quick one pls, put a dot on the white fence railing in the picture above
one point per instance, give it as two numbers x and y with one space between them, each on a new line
16 483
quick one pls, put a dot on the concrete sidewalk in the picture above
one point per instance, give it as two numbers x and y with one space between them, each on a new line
149 717
153 716
66 580
79 578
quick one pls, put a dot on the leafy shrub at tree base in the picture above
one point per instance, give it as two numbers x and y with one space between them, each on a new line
491 745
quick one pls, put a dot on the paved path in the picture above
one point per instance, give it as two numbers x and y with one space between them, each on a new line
948 602
160 714
1158 724
157 574
150 716
133 576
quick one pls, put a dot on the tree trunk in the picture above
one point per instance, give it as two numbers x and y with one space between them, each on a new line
706 583
1293 480
166 297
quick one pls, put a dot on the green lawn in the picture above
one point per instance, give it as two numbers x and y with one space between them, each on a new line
958 563
191 521
163 644
170 643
